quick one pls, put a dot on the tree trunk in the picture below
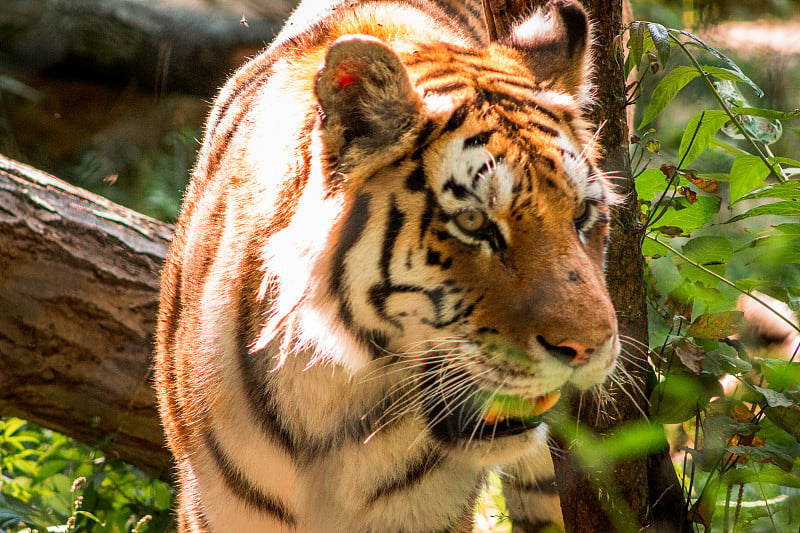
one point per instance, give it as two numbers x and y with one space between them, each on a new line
78 300
625 280
648 485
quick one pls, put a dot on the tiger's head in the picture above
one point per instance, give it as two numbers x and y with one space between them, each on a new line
466 222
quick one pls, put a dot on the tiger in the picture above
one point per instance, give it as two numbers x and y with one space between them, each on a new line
388 264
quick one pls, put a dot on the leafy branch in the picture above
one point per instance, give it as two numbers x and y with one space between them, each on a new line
725 280
692 269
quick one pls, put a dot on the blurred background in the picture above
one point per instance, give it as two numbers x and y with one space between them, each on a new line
111 95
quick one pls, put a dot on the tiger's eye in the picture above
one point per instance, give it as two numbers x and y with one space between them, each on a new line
470 220
581 213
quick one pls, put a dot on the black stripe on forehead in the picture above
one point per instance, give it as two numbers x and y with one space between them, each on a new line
459 190
439 73
457 118
479 139
504 100
351 232
482 170
416 180
462 20
516 83
445 89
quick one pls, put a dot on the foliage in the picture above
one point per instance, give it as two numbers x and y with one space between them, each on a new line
710 238
51 483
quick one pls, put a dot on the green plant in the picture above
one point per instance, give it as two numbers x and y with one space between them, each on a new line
709 239
51 483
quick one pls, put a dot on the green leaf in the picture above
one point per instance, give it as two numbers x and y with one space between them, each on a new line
11 426
785 161
747 173
722 73
712 252
773 398
771 114
727 147
738 366
786 418
787 190
747 284
780 375
708 249
90 516
778 248
768 474
782 458
698 133
788 229
665 91
634 439
162 496
636 42
50 468
678 398
693 216
783 209
652 248
696 41
650 183
660 38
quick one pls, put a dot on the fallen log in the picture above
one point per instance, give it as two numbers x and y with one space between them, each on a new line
78 303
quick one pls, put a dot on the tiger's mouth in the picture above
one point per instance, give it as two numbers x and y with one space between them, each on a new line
485 415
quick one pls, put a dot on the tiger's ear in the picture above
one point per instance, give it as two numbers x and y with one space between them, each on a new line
555 42
365 95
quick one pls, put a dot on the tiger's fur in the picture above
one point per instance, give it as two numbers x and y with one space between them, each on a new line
389 217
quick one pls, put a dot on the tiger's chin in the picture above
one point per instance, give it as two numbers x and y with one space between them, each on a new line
490 415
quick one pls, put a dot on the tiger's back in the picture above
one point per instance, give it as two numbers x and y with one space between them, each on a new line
388 261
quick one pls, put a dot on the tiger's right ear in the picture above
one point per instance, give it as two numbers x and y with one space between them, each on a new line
365 94
555 42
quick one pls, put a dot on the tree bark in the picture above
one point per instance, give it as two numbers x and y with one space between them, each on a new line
625 280
648 485
158 44
79 281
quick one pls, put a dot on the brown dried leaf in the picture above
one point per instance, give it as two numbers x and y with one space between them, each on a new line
709 186
668 170
689 194
691 355
716 325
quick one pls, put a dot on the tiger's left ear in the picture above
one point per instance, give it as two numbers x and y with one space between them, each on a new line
365 94
555 42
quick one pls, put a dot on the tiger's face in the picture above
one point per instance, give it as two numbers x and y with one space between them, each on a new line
469 239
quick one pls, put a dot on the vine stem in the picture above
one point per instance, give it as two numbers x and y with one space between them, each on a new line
724 280
779 173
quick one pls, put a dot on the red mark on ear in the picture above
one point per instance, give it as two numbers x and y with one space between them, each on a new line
344 76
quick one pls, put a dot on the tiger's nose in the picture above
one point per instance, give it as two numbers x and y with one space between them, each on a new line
569 351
